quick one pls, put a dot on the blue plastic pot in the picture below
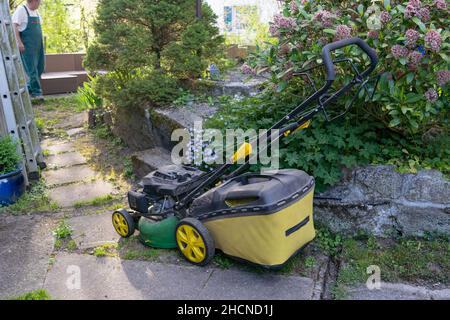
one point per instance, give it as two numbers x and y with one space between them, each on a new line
12 187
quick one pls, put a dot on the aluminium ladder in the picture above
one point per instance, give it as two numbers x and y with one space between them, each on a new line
15 99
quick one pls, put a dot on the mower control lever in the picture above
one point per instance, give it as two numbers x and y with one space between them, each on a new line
328 61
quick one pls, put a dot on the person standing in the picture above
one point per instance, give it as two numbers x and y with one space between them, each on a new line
28 27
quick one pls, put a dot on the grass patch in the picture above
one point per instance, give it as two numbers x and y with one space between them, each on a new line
106 250
33 295
63 231
417 261
36 200
96 202
133 249
223 262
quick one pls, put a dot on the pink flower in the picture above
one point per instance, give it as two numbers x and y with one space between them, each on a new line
412 8
399 51
293 6
284 22
385 17
410 11
373 34
414 58
246 69
273 29
411 37
415 3
433 40
431 95
441 4
423 14
343 32
324 17
443 77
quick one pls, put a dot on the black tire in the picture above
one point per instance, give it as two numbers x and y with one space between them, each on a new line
119 223
207 239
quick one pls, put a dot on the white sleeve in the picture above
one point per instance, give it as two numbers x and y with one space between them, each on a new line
20 16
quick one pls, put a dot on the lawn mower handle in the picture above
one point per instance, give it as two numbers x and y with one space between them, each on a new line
328 61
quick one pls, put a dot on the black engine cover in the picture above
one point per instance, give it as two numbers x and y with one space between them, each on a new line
171 181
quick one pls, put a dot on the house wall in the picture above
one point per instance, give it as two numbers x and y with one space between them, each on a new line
267 9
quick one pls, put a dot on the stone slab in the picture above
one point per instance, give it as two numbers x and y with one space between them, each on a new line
397 291
67 196
26 243
75 132
69 175
112 278
56 149
66 160
75 121
93 231
239 285
146 161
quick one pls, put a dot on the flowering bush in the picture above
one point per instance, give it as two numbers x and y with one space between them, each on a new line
411 39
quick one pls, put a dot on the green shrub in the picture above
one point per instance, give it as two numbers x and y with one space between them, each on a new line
325 148
34 295
9 157
148 47
412 47
87 96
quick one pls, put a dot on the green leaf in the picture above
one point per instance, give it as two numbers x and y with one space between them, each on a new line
410 77
329 31
420 24
395 122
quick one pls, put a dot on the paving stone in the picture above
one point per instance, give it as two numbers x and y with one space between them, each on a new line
66 160
111 278
75 132
69 175
55 149
67 196
75 121
93 231
235 284
397 291
25 246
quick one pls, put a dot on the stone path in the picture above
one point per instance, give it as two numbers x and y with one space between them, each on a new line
71 179
112 278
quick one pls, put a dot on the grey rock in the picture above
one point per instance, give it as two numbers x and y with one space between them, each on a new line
380 201
428 186
379 183
75 132
147 161
418 221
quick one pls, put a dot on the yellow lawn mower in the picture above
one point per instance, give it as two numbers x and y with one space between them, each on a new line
263 219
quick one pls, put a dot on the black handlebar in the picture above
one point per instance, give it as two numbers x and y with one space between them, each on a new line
328 61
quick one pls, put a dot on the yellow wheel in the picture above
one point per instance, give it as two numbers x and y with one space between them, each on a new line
123 222
194 242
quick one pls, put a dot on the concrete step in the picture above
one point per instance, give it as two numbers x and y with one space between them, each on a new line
63 82
147 161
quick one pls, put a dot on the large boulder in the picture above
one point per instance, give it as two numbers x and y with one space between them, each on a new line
380 201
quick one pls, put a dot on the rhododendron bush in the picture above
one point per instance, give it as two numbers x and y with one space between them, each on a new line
411 39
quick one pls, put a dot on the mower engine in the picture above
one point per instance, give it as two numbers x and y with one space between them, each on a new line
162 188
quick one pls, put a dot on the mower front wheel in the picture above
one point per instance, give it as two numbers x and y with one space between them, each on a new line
195 242
124 223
